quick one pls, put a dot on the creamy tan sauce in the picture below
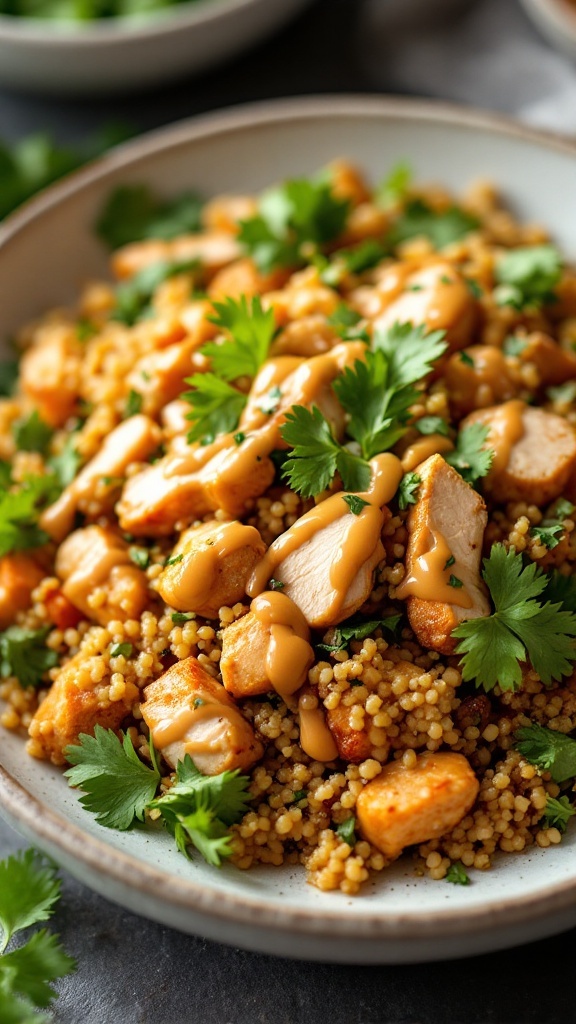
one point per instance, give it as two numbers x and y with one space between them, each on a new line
487 381
506 428
181 723
430 573
316 739
360 541
434 295
188 584
289 654
423 448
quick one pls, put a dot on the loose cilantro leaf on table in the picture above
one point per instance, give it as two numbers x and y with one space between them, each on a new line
118 785
407 491
252 330
29 890
134 212
298 215
457 874
19 512
440 227
134 296
470 458
24 654
527 277
548 750
521 628
216 407
557 813
32 434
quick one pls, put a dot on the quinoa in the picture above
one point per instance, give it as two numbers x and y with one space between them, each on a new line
400 698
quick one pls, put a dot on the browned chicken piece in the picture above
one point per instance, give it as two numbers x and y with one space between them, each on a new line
213 251
555 364
434 294
446 527
50 373
214 563
132 441
534 452
353 744
20 574
243 278
224 213
404 806
99 577
174 418
159 376
486 376
74 705
347 182
310 336
243 661
188 712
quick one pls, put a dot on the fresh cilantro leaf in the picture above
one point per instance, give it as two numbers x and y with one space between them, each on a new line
29 890
563 393
470 458
561 590
466 359
125 650
134 212
352 261
300 794
528 276
520 628
377 411
133 297
275 584
32 434
563 509
118 785
455 582
432 425
8 376
514 346
31 969
548 750
395 185
18 1010
251 328
140 556
173 559
19 512
355 503
549 536
342 635
440 227
557 813
133 404
24 654
345 831
216 407
299 213
269 403
316 455
457 874
411 352
239 437
344 321
66 464
449 561
179 618
407 491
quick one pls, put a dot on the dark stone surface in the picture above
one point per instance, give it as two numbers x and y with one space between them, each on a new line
132 971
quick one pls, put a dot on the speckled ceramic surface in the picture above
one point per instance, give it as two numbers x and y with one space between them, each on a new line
46 251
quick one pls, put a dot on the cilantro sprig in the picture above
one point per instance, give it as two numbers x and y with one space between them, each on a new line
440 227
134 212
527 277
216 407
251 330
20 511
557 813
133 297
24 654
29 890
342 635
470 458
548 750
522 627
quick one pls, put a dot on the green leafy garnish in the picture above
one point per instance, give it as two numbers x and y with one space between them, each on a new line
470 458
179 618
275 584
133 297
395 185
302 214
351 261
342 635
134 212
457 874
548 750
432 425
125 650
252 330
454 581
558 813
66 464
29 890
344 321
216 407
561 590
408 490
345 831
140 556
174 559
563 509
24 654
32 434
527 277
549 536
19 512
133 404
514 346
316 455
563 393
355 503
521 628
118 785
441 228
8 376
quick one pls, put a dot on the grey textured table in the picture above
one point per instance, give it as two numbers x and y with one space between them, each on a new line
136 972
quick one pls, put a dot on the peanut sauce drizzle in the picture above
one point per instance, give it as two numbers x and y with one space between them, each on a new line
506 428
175 729
316 739
428 578
188 584
289 654
434 444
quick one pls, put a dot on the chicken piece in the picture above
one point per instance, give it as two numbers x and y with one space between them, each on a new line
95 558
188 712
434 294
159 376
347 182
20 574
216 562
353 744
224 213
174 418
484 378
132 441
243 661
555 364
213 250
404 806
308 337
50 373
75 704
445 533
534 452
243 278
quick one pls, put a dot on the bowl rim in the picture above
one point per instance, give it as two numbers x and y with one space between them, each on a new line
558 14
191 13
182 894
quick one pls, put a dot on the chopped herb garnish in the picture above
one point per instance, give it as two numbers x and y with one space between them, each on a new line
251 330
134 212
432 425
355 503
557 813
442 228
32 434
300 794
470 458
564 394
548 750
8 374
527 277
174 559
514 346
457 874
474 288
449 561
239 437
179 618
342 635
455 582
407 491
24 654
19 513
549 536
122 650
345 831
466 359
85 330
133 297
276 584
563 509
216 407
140 556
133 404
269 403
344 321
394 188
66 464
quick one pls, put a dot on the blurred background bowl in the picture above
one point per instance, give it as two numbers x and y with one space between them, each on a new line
124 54
556 20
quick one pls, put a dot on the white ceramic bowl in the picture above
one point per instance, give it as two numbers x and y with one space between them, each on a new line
556 19
46 250
98 57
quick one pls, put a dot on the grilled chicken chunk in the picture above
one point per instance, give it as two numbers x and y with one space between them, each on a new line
20 574
95 559
213 251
